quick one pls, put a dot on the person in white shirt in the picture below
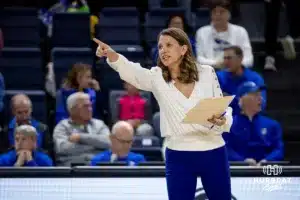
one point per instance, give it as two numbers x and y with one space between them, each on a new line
213 38
178 83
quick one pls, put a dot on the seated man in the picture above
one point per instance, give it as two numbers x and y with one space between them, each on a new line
80 137
22 109
132 110
121 142
253 138
213 38
25 153
236 74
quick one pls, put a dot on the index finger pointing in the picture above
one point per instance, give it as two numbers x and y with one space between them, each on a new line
97 41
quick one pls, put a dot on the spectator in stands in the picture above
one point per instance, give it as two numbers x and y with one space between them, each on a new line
132 109
22 109
141 5
235 73
77 6
272 13
79 79
62 6
253 138
121 141
212 39
80 137
178 21
25 152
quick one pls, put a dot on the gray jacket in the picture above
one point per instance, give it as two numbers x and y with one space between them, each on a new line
94 137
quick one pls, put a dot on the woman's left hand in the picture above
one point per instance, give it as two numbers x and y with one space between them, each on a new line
217 120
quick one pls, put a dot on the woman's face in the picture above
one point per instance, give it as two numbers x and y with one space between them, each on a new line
84 79
170 51
176 22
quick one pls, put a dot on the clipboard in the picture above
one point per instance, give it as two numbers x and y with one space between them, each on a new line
206 108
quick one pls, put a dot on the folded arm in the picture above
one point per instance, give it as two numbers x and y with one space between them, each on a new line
100 140
62 144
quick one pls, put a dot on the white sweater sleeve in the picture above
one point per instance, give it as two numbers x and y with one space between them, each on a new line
200 50
133 73
247 49
218 93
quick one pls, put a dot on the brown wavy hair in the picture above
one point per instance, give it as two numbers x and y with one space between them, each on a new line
70 82
188 65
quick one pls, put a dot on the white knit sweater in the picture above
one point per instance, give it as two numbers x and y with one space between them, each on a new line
174 105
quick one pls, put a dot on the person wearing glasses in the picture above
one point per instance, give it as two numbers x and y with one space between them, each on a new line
121 141
235 73
253 137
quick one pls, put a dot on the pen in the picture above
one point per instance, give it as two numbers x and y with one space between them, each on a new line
218 118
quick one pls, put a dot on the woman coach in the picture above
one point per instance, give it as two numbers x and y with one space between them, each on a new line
178 83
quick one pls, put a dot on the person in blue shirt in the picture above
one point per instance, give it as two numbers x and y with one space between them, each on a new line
25 152
253 138
236 74
177 21
121 141
79 79
22 111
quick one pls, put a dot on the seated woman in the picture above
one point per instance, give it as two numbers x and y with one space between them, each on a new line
132 109
79 78
177 21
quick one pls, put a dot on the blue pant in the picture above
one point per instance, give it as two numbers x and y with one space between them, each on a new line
183 168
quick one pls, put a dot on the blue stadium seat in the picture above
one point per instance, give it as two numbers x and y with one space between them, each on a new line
156 21
154 4
120 12
254 24
163 13
22 68
133 53
119 26
64 58
20 27
201 18
38 99
71 30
